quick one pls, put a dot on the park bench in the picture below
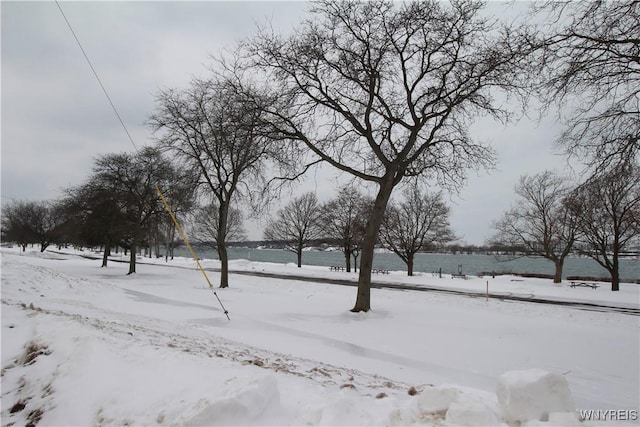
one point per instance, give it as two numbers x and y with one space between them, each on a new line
459 276
337 268
583 285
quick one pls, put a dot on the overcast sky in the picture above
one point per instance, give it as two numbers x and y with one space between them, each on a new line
56 119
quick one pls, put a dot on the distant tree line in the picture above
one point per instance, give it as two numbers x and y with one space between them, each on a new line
418 222
385 93
33 222
116 207
552 218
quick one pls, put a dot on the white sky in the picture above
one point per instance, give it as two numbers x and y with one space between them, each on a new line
56 119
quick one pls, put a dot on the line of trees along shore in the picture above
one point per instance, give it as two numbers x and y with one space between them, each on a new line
384 92
554 218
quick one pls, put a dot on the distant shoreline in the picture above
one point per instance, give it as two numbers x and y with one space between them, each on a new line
436 263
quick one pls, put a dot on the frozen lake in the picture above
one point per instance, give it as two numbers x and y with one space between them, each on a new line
429 263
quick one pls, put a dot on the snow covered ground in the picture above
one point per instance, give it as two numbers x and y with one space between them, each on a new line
84 345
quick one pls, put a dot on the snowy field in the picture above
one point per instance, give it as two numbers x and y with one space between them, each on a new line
84 345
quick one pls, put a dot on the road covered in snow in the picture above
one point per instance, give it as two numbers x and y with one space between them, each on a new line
84 345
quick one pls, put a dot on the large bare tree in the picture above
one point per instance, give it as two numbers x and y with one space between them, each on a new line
214 129
296 224
590 68
419 221
609 210
386 91
542 221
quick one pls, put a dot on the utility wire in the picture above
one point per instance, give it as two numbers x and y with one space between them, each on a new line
115 110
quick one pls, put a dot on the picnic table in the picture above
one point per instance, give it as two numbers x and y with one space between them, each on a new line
583 285
373 270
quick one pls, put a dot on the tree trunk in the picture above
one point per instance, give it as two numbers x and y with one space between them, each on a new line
615 280
363 299
170 240
223 217
132 258
347 258
224 265
105 254
299 255
167 246
615 274
105 258
557 277
410 264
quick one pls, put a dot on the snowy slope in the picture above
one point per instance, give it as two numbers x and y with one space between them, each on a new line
83 345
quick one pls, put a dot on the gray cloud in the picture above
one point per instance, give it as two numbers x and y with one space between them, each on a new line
55 117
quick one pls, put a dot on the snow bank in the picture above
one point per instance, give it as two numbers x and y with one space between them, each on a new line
525 398
533 394
245 406
530 397
467 411
455 407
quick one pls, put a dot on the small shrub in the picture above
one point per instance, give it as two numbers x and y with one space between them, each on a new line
34 417
18 406
31 352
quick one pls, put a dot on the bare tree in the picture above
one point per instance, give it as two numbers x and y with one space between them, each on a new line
297 224
14 224
590 60
32 222
132 179
97 216
542 221
386 91
420 220
344 219
609 210
213 129
181 197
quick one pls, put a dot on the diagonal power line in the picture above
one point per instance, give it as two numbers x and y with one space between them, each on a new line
115 110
